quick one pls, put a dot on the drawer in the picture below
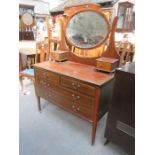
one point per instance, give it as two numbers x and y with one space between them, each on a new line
77 85
80 110
68 103
64 99
46 78
75 97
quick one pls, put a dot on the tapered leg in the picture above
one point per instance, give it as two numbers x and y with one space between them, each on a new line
94 132
106 142
38 103
95 114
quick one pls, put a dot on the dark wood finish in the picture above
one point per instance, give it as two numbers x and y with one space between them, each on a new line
75 87
26 35
23 34
120 126
106 64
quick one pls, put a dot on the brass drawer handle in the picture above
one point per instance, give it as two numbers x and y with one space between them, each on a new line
78 109
45 75
75 109
75 97
74 85
73 106
45 84
48 85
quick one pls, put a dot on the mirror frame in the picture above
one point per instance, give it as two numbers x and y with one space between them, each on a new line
88 7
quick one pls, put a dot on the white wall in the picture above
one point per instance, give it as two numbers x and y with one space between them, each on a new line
40 7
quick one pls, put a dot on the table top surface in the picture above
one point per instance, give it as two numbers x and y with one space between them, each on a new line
27 47
78 71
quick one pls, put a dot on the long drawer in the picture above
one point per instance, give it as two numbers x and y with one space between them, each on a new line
46 78
65 99
76 97
77 85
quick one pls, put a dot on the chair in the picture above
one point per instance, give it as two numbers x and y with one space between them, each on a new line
125 50
42 54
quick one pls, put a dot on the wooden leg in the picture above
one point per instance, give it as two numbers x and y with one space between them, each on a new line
95 115
94 132
38 103
106 142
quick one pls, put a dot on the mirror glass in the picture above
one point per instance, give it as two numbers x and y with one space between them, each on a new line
87 29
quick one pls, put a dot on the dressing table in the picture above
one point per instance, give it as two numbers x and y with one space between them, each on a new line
75 85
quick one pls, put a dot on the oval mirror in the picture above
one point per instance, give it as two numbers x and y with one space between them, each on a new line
87 29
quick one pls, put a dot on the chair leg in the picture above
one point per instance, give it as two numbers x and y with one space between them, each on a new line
21 82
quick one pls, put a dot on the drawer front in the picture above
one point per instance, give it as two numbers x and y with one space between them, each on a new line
104 66
82 111
78 86
65 100
45 78
76 97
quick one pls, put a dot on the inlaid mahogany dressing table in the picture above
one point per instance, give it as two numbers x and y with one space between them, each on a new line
75 85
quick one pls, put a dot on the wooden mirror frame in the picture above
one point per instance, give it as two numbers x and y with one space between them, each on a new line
74 10
110 52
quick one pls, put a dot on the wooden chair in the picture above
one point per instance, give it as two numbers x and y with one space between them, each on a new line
125 50
42 54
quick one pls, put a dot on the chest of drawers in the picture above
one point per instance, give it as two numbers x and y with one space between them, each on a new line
65 84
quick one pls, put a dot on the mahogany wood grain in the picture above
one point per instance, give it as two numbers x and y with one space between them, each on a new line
78 71
111 51
74 87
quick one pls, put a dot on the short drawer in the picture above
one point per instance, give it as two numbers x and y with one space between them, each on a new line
77 85
46 78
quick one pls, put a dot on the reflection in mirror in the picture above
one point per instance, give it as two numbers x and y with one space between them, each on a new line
87 29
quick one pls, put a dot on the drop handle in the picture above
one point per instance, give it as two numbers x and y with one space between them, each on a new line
48 85
77 97
74 97
74 86
73 106
78 109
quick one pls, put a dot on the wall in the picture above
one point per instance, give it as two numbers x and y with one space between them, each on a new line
40 7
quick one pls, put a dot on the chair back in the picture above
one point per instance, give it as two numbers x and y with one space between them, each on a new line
126 49
42 51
